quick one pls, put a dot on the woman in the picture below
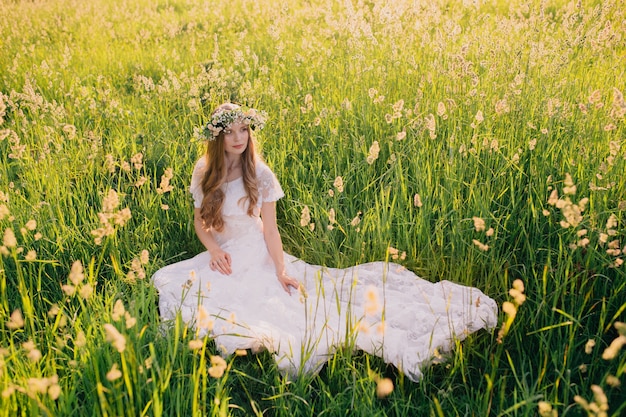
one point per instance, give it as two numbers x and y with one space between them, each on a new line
248 294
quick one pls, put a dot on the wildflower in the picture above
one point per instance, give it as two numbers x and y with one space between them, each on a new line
441 110
4 211
218 366
431 125
69 290
117 340
38 236
76 273
338 183
517 292
137 269
417 200
532 144
611 223
479 118
356 220
31 225
480 245
331 218
165 186
384 387
509 308
54 311
109 217
401 135
479 224
393 252
9 239
34 355
545 409
54 391
114 373
196 344
111 201
130 320
502 107
569 188
144 257
109 163
118 310
595 97
137 160
141 181
80 340
600 405
7 392
70 130
305 217
613 381
31 255
613 349
41 385
241 352
373 152
489 232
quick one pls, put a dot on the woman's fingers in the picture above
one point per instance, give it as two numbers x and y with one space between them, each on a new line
221 264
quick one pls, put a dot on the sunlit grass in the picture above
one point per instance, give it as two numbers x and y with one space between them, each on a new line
481 109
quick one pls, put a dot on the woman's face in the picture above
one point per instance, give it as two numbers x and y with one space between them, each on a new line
236 138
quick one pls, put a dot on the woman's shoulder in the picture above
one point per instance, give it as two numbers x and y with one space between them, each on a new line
200 165
197 174
262 169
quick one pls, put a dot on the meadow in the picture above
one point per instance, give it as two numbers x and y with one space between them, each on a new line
485 139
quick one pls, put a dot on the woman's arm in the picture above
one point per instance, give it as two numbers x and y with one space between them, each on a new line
275 245
220 260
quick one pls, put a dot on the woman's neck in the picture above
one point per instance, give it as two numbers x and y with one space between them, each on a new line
233 167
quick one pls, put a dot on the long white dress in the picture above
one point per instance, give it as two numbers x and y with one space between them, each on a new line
378 307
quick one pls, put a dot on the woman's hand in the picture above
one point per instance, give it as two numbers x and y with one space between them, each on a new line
221 262
287 282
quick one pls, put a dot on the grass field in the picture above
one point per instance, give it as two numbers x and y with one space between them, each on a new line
486 139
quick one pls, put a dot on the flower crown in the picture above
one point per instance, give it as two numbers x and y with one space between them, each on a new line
223 119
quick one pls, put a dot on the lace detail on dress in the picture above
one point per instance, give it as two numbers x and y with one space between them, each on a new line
269 187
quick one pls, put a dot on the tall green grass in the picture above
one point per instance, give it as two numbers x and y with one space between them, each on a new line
480 108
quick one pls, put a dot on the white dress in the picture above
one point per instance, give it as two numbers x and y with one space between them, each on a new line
380 308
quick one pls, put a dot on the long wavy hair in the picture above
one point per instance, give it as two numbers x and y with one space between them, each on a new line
215 176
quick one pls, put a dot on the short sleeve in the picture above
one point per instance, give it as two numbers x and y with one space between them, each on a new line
196 180
269 187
